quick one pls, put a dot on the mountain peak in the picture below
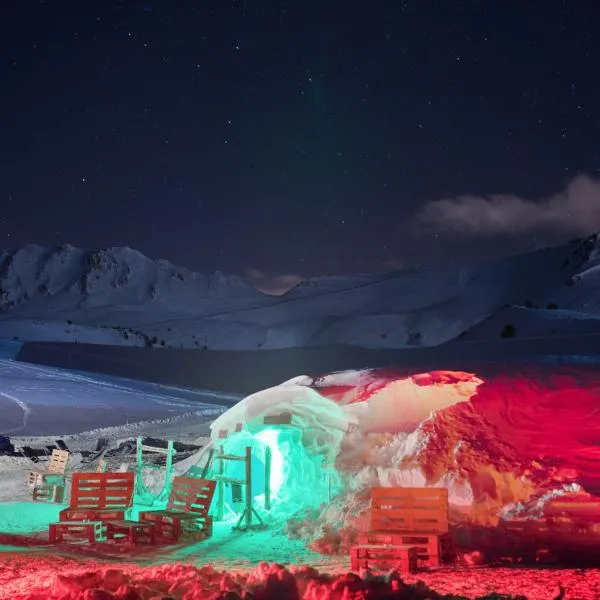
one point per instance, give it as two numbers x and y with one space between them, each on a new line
32 276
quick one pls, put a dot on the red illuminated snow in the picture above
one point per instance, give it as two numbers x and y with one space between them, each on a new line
36 577
512 435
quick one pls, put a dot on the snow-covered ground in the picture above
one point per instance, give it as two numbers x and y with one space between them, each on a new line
60 401
40 404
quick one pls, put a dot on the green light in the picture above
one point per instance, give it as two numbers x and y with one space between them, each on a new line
270 437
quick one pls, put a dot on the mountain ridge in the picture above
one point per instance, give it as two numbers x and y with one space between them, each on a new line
153 302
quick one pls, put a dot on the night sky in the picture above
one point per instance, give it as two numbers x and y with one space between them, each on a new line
300 137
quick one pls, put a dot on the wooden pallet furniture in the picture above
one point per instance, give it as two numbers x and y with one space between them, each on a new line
407 517
76 531
49 493
56 469
428 546
369 556
186 514
99 497
580 514
134 532
409 509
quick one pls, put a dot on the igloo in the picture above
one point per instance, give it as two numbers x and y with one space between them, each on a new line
330 436
501 439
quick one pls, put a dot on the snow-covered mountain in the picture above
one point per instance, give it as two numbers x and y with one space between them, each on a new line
119 296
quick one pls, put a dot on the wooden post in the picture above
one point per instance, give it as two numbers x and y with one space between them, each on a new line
246 518
220 489
267 478
249 483
139 457
168 468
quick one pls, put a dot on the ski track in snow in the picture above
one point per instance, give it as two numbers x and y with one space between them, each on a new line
23 406
27 391
165 392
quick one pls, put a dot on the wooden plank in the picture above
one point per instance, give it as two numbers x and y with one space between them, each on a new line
102 493
410 496
284 418
396 518
410 509
230 457
404 558
423 492
91 514
409 500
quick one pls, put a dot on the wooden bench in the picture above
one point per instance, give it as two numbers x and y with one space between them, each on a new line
99 497
49 493
186 514
406 518
409 509
56 469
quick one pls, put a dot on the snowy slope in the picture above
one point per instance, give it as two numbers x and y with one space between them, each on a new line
43 400
118 296
534 323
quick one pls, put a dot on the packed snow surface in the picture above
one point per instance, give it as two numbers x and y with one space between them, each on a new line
38 400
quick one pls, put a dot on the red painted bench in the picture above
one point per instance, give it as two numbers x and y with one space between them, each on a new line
405 518
186 514
99 497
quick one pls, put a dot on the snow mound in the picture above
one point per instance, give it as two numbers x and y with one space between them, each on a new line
500 442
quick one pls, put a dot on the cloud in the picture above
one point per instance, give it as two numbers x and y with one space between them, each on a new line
573 211
275 285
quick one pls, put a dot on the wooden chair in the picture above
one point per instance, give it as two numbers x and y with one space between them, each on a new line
186 514
409 520
56 469
96 498
49 485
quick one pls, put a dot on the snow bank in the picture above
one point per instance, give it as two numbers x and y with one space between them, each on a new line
64 579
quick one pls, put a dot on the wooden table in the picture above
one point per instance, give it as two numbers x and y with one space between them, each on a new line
133 531
76 531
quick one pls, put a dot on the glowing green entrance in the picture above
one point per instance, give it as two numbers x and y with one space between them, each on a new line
285 475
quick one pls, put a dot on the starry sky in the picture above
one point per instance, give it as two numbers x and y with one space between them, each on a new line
291 138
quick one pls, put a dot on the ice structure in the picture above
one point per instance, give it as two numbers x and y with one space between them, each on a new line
353 437
302 452
504 441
